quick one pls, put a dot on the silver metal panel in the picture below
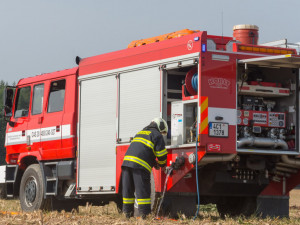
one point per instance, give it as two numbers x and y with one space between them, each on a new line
177 125
97 133
181 63
287 61
279 43
229 115
267 152
220 57
139 100
2 174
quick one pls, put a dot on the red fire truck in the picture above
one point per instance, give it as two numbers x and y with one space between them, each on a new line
232 108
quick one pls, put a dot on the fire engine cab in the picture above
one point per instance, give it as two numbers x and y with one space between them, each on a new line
232 107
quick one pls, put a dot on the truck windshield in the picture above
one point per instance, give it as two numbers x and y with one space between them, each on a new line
22 102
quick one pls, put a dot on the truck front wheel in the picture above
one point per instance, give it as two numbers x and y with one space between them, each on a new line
32 190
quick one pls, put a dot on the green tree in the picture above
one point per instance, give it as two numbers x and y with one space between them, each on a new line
2 125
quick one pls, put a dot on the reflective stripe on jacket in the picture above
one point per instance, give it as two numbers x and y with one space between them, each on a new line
146 146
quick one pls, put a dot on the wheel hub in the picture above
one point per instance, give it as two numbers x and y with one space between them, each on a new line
30 191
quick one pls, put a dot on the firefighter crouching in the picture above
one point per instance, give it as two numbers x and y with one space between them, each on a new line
146 146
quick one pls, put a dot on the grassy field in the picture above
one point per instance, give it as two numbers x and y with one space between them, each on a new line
12 214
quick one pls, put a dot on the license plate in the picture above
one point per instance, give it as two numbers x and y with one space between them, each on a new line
218 129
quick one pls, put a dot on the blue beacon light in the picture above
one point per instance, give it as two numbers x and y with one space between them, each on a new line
203 47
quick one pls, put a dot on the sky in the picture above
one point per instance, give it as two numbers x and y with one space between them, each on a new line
41 36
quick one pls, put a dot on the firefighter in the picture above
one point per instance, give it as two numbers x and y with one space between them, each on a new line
146 146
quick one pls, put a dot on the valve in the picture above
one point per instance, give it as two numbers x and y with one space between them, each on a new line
179 162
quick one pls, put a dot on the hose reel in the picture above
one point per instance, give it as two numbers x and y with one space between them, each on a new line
191 81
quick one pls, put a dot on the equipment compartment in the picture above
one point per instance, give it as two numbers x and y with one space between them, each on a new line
180 114
267 108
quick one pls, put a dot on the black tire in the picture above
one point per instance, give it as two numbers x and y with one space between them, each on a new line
174 205
67 205
237 206
32 190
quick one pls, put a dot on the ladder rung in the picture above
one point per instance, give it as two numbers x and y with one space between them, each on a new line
51 179
50 193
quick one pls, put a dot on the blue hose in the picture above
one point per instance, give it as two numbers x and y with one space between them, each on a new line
195 81
197 180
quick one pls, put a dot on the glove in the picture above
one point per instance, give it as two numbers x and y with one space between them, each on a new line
156 166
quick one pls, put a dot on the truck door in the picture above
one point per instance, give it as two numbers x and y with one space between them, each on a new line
51 124
16 136
36 117
217 102
97 135
140 101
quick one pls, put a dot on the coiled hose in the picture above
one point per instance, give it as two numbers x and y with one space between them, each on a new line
192 87
195 82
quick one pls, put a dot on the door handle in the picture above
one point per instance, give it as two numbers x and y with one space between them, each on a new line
28 140
40 119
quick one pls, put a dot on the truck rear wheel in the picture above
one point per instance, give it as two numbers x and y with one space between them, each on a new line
174 205
237 206
68 205
32 190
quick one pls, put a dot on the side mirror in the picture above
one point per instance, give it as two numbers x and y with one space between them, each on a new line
8 98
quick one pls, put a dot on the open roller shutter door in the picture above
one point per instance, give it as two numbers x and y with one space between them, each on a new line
97 142
139 100
286 61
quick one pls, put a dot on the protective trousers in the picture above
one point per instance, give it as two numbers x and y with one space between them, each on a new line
138 181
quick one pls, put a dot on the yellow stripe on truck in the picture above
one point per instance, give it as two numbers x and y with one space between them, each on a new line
204 115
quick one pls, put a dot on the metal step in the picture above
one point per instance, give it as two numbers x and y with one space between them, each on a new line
71 190
50 163
50 194
11 173
10 179
52 180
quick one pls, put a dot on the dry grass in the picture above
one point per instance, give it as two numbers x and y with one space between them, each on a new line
11 214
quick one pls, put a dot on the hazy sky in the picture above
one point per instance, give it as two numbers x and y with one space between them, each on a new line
40 36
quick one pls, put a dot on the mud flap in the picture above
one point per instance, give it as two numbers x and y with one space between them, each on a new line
273 206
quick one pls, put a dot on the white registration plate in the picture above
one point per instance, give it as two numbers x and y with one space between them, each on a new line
218 129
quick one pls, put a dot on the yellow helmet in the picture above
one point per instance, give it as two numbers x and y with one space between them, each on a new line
162 125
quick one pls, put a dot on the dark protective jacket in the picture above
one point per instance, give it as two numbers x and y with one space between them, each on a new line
146 146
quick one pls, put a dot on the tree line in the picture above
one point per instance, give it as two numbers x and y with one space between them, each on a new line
2 124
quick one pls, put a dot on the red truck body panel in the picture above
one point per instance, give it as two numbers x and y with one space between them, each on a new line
143 54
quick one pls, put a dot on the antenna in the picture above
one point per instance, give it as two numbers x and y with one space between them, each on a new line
222 24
